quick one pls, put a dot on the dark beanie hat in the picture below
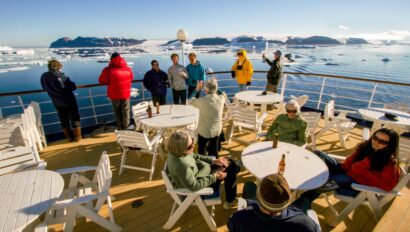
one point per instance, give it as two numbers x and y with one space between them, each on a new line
115 54
273 193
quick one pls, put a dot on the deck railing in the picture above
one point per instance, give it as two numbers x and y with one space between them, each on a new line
350 93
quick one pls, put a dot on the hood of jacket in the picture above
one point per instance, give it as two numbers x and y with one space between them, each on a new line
118 62
243 51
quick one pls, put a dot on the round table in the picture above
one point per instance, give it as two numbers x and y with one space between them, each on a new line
24 196
304 170
377 116
255 97
182 115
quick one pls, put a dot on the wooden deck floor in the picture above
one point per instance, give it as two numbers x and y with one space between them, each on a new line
151 216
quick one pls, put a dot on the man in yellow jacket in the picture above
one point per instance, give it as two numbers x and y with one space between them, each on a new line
242 70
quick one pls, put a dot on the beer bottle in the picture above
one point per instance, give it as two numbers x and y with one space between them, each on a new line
157 107
149 111
275 140
281 167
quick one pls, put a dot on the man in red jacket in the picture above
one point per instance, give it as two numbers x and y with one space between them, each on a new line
118 77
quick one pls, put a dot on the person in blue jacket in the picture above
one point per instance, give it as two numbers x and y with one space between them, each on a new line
156 81
195 72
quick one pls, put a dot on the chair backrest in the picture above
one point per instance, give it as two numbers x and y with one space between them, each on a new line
37 111
170 186
140 107
133 139
302 100
16 159
329 110
102 178
245 117
312 119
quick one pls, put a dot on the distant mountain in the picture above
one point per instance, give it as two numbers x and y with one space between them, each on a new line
67 42
355 41
169 42
313 40
210 41
248 39
275 41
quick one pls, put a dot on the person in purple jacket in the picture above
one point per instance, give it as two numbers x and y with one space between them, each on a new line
156 81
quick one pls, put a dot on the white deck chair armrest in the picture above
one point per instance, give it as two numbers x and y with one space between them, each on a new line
364 188
42 165
75 201
155 140
76 170
337 157
262 118
185 192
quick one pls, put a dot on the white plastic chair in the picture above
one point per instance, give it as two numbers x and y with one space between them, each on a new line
229 107
312 119
137 110
39 122
373 197
133 139
183 198
15 159
246 118
33 129
85 199
342 124
301 100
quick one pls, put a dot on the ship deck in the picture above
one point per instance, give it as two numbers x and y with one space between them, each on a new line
151 216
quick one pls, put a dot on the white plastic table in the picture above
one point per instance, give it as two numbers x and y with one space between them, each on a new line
24 196
304 170
254 97
182 115
377 116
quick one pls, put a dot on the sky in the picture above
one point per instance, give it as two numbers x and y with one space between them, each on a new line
39 22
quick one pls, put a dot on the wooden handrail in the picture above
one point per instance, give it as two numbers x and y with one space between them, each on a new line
226 72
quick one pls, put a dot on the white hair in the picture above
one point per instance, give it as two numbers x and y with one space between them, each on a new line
211 85
293 103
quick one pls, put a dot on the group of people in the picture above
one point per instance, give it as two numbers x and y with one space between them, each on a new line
373 163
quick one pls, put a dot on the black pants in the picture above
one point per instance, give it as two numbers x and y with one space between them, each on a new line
179 95
190 90
230 182
210 144
67 114
122 113
160 99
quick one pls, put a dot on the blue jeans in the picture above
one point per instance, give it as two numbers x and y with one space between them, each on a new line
337 174
242 87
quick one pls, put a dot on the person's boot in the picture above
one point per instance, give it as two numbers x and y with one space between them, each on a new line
68 134
77 134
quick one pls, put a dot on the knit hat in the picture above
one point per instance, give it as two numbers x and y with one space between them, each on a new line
115 54
278 52
273 193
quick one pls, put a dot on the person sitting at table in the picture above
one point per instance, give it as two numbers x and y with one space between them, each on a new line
195 172
373 163
210 116
269 208
289 127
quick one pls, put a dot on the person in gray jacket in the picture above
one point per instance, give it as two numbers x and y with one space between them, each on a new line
177 76
275 72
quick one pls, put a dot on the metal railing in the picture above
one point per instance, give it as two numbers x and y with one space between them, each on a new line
350 92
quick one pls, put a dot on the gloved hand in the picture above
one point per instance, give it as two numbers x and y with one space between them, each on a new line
248 83
233 74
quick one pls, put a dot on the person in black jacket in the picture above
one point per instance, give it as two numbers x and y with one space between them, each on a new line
272 210
156 81
275 72
60 89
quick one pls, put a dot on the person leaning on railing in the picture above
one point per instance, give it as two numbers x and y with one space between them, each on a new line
118 77
275 72
60 89
195 172
374 163
289 127
242 70
210 116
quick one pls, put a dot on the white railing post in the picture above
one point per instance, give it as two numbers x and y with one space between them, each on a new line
282 91
21 102
371 97
321 93
92 104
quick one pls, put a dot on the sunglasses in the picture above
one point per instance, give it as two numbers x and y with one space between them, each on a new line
291 111
239 54
379 140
